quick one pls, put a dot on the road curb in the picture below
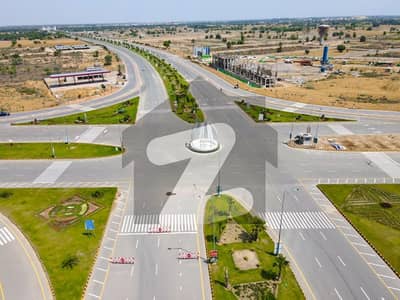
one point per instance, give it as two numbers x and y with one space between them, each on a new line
362 235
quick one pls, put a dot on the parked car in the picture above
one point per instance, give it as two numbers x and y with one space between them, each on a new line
4 113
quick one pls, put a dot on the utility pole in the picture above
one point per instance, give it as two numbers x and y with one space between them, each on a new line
278 245
219 177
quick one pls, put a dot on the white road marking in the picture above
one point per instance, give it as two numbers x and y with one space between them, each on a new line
340 129
302 236
367 254
101 269
5 236
377 265
337 294
137 243
365 294
91 134
177 223
385 163
341 260
393 288
156 270
158 243
53 172
98 281
132 269
386 276
323 235
298 220
318 262
93 295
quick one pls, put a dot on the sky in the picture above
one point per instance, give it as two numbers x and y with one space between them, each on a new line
38 12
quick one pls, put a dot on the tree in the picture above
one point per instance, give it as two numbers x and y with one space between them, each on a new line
279 48
363 39
218 36
108 60
229 45
280 262
70 262
307 51
341 48
167 44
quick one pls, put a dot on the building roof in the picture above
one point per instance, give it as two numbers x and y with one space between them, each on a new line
83 73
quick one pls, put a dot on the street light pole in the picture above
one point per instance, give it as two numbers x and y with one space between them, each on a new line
278 245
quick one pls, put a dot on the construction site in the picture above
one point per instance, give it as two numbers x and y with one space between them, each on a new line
351 63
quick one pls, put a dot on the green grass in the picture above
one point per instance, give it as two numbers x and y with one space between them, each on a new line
177 89
23 207
61 150
362 205
288 288
122 113
273 115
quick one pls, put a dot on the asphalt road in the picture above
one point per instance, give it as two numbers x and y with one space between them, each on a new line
330 259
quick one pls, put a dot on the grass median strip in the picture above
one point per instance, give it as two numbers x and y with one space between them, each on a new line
375 211
55 151
246 267
273 115
53 222
121 113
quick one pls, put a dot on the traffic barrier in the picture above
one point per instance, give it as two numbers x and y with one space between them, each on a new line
160 230
188 255
122 260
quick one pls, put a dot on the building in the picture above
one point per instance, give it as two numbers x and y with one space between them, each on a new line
90 75
201 51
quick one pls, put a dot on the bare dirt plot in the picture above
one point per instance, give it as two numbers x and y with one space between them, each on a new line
44 43
245 259
343 91
360 143
22 70
233 233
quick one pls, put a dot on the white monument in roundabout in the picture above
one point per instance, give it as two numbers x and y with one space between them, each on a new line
204 139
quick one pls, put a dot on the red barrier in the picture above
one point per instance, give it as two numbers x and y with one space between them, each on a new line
189 255
122 260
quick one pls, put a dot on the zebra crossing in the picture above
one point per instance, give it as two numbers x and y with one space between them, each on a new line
132 224
5 236
298 220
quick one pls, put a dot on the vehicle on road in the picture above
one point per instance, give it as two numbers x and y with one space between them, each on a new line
4 113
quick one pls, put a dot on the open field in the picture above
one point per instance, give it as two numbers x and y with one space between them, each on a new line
61 150
359 143
122 113
341 91
277 116
23 68
365 74
257 281
375 211
65 251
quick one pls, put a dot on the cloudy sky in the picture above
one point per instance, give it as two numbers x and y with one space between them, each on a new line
37 12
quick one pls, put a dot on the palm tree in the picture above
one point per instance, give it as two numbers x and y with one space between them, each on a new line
280 262
70 262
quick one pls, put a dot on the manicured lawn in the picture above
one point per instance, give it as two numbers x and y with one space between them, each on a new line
273 115
55 245
263 247
375 211
177 88
122 113
61 150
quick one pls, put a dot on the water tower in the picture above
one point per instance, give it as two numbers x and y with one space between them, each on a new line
322 31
